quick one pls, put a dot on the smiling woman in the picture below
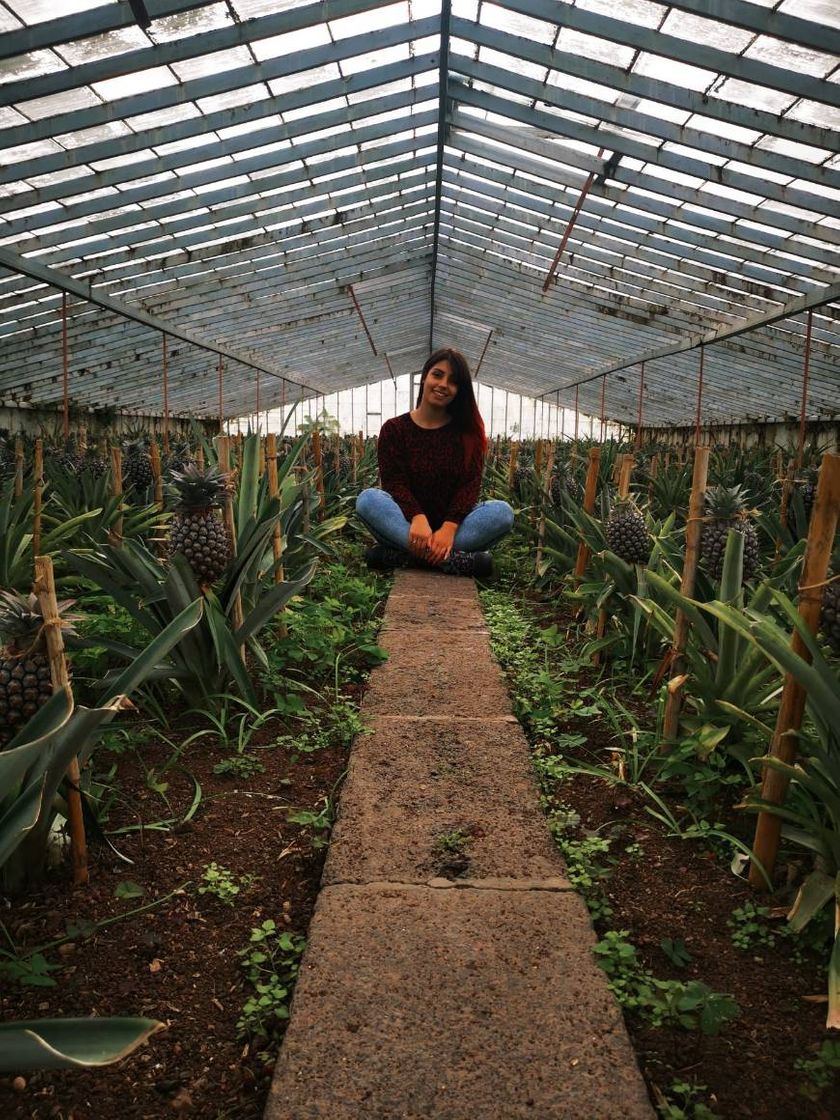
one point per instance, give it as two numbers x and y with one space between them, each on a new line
430 465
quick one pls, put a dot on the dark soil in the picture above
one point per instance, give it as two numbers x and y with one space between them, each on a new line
674 888
176 962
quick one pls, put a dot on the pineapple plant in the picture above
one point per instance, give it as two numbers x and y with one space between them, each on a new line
95 463
830 613
25 681
196 531
726 508
137 467
67 457
808 490
7 457
565 483
626 532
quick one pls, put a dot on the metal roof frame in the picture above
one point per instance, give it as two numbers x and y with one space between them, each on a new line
319 194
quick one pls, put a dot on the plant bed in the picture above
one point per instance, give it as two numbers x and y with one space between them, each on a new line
225 822
725 1005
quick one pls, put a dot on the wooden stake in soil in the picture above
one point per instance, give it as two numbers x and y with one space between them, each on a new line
157 479
18 467
116 534
274 491
546 490
588 506
625 473
514 453
38 496
693 531
319 472
223 452
45 590
792 705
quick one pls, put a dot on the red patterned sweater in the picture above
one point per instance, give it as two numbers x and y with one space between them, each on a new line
423 471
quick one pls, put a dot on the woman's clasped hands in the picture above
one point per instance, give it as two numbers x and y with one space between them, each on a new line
434 547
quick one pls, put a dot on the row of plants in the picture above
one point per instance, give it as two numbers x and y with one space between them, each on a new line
174 610
704 782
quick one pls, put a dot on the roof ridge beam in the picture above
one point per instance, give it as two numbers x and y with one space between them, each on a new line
443 127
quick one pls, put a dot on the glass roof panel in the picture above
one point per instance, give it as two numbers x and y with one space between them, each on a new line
56 103
753 96
140 81
588 46
363 62
389 15
709 32
679 74
38 11
30 66
304 79
791 56
194 22
103 46
215 63
279 46
640 12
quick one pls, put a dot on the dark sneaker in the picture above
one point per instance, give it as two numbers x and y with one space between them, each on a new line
468 564
383 558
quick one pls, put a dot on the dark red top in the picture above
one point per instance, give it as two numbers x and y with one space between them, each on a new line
423 471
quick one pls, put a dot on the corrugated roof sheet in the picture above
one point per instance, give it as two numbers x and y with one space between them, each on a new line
313 193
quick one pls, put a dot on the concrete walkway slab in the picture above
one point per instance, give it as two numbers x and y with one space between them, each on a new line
454 1005
449 973
445 674
443 798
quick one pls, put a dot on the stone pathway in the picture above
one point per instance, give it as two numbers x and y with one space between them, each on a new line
448 974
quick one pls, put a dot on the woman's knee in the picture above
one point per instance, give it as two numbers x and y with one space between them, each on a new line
502 513
367 501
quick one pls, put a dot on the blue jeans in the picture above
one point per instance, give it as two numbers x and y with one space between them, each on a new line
483 526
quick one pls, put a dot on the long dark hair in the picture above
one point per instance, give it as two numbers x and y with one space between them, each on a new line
463 408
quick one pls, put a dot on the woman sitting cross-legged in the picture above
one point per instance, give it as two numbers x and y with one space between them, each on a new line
430 465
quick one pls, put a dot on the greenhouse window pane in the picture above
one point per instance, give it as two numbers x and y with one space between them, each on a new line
141 81
52 106
363 62
752 96
525 27
695 29
639 12
184 24
232 99
95 47
215 63
677 73
304 79
30 65
389 15
589 46
281 46
791 56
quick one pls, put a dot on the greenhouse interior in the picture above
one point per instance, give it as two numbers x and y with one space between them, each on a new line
419 559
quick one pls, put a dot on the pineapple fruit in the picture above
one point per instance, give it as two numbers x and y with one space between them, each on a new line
196 531
564 482
726 508
137 466
627 534
25 681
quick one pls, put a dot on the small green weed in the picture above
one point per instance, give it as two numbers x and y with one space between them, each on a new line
239 766
320 821
452 842
222 884
821 1071
270 961
682 1101
750 928
691 1005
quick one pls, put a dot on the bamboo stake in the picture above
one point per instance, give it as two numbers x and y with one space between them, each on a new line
588 506
274 491
199 458
38 496
223 451
157 479
546 488
45 590
514 454
116 534
625 473
18 467
319 472
693 530
774 785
